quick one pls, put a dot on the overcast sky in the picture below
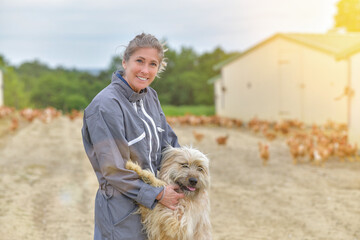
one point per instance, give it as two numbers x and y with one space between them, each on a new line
87 33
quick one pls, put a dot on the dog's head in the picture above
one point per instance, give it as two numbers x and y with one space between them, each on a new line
186 167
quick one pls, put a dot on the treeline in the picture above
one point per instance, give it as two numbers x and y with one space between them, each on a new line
34 84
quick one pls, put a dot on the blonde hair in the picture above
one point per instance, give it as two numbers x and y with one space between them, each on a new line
146 41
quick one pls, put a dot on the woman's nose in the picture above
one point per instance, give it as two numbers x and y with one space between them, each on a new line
145 69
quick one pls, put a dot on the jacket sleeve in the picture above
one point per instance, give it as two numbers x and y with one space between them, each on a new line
106 137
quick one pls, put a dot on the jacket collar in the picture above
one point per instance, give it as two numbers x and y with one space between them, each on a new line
126 89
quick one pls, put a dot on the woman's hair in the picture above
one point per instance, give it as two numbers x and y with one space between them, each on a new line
146 41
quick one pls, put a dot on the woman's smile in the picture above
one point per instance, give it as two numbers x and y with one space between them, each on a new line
141 68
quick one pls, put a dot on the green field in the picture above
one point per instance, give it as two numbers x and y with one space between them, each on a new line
198 110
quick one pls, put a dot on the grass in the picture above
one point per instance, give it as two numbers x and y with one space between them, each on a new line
197 110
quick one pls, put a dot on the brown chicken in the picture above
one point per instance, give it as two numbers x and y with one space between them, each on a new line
351 152
269 135
74 114
222 140
198 136
14 124
256 128
264 152
282 127
297 149
5 111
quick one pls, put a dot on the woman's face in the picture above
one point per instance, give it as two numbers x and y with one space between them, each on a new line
141 68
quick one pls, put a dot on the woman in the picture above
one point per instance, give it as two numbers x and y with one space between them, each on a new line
125 121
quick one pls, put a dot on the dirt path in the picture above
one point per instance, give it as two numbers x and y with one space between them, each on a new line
47 188
46 184
280 200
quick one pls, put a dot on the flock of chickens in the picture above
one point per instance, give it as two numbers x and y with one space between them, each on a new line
29 115
315 144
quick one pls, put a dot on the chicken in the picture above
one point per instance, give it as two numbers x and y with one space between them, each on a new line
269 135
172 121
5 111
222 140
317 157
14 124
321 155
341 152
256 128
294 151
315 130
253 122
227 122
264 152
193 120
351 152
74 114
282 127
30 114
238 123
198 136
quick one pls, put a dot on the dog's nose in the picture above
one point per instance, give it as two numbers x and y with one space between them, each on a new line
193 181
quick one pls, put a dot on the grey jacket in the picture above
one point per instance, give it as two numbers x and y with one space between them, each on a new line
120 124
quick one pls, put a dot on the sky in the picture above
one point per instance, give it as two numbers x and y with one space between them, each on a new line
86 34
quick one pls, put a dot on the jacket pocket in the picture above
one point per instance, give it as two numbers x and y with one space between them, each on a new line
102 218
126 223
129 228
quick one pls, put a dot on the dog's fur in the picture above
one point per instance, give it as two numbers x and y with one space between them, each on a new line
188 168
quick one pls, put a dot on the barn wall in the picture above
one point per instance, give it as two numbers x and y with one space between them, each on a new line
250 84
285 80
354 123
218 97
324 82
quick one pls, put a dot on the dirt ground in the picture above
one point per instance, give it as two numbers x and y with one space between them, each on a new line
47 187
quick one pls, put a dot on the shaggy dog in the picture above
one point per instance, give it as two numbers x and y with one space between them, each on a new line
189 169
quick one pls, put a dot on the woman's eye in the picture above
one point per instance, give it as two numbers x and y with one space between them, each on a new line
139 60
154 64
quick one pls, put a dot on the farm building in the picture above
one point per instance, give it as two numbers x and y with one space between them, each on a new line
310 77
1 89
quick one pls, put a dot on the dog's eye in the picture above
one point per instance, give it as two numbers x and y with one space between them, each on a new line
185 165
200 169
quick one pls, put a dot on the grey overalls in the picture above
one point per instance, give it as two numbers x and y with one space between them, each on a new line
120 124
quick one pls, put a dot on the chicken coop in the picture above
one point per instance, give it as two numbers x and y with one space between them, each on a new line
313 78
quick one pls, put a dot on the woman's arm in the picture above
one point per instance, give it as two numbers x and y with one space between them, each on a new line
108 151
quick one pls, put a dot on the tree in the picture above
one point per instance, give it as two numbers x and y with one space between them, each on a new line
184 82
174 86
348 15
14 90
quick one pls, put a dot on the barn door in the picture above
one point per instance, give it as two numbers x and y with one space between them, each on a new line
290 88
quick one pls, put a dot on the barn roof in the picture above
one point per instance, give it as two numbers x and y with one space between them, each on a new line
339 45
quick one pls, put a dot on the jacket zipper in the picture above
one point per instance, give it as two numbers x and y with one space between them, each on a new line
150 138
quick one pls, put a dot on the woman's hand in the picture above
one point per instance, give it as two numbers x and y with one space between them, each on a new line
171 197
